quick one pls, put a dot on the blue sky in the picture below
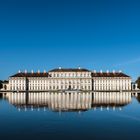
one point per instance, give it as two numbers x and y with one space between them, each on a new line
44 34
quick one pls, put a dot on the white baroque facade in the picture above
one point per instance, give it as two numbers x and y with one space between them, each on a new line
69 79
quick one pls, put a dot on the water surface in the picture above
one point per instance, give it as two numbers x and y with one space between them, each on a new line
70 115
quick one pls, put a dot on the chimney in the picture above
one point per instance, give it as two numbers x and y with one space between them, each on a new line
38 71
44 71
32 71
19 71
101 71
107 71
114 71
120 71
94 71
25 71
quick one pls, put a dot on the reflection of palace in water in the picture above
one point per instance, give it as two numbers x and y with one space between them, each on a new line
69 101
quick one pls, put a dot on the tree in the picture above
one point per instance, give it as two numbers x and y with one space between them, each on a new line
1 84
138 82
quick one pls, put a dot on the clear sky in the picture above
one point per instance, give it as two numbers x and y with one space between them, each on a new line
45 34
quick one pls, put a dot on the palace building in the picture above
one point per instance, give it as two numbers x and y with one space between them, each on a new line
69 79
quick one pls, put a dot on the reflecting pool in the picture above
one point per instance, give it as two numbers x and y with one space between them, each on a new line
70 115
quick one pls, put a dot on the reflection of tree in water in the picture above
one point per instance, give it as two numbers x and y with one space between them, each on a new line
0 95
138 98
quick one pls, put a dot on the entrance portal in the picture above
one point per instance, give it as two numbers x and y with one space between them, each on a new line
69 86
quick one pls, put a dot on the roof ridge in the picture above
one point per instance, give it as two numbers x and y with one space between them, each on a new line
69 69
29 74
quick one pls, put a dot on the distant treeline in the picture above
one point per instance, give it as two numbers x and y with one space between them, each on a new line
1 83
138 82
